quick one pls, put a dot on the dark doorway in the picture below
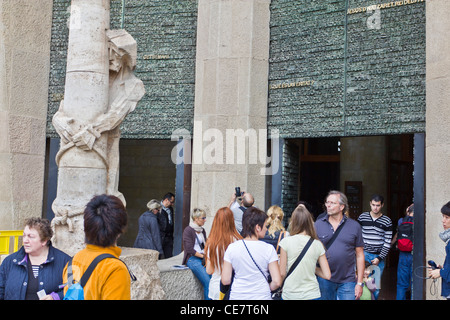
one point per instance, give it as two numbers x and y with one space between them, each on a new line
319 171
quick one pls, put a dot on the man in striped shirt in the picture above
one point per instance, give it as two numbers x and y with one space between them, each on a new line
377 236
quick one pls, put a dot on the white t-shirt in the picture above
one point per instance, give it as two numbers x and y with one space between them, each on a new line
214 282
302 282
249 283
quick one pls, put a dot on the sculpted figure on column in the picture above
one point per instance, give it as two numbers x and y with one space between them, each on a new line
101 136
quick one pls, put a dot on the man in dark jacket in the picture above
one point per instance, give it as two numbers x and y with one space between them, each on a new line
166 224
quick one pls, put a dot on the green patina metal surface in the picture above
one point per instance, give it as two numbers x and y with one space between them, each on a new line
347 68
337 68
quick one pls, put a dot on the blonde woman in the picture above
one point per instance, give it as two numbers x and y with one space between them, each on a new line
275 230
302 282
149 235
194 240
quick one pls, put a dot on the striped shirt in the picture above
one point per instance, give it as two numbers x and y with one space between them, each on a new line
377 234
35 270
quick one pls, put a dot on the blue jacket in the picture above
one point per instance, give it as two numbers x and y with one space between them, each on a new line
149 236
445 273
14 274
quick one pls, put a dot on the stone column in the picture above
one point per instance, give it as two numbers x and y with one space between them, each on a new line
81 173
437 143
25 32
230 99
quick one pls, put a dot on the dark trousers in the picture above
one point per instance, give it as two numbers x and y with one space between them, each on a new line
167 246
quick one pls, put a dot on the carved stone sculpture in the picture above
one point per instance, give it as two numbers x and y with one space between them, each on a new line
101 90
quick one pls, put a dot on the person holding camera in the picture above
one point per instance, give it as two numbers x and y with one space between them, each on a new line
194 239
444 271
239 203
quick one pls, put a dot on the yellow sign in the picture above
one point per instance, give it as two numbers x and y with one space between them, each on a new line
385 5
291 84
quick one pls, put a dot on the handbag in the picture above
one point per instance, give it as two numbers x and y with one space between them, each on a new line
225 290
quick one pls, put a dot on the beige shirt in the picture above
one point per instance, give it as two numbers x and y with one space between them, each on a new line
302 282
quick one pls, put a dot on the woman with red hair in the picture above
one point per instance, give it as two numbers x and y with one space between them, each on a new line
223 232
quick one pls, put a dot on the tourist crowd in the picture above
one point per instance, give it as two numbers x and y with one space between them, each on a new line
248 254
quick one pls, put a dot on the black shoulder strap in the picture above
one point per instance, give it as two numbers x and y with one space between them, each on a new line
90 269
330 242
254 261
299 258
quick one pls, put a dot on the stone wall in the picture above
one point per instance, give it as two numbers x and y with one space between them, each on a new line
438 136
24 65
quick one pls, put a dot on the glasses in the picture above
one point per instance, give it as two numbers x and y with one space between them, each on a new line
331 203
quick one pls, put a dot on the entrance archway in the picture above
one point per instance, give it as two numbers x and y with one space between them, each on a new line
360 167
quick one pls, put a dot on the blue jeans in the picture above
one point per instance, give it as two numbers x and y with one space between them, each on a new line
330 290
404 273
195 264
369 257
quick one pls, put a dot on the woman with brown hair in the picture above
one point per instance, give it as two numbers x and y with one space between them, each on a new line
223 232
254 262
302 283
35 270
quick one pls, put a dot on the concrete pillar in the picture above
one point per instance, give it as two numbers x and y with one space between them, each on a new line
231 95
437 143
25 32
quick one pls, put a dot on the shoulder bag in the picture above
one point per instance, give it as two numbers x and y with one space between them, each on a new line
336 233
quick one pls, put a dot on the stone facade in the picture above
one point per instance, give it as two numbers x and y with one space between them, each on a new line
24 68
373 83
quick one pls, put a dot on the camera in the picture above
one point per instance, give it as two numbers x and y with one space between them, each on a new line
239 193
432 264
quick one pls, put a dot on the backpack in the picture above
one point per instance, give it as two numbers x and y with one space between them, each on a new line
405 235
76 289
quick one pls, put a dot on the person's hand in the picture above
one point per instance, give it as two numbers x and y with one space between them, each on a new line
375 261
232 200
358 291
434 273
